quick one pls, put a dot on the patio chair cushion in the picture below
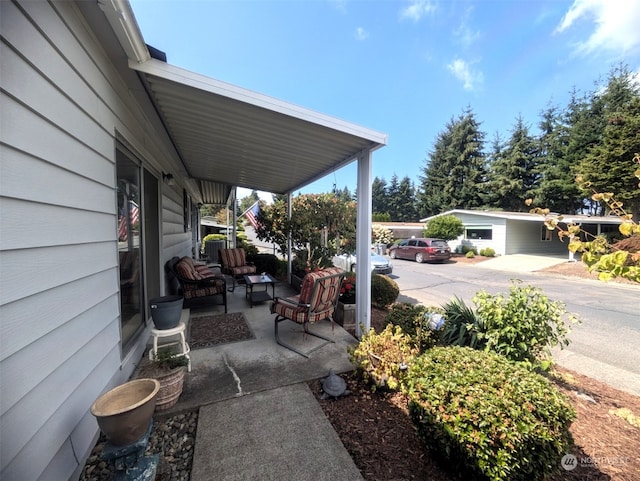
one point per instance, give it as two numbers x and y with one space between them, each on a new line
197 281
186 269
233 257
218 286
196 269
312 305
234 262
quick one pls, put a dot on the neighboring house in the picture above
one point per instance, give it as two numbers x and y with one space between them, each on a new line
105 154
519 232
404 230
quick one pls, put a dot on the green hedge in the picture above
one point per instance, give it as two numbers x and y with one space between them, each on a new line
384 290
487 417
414 322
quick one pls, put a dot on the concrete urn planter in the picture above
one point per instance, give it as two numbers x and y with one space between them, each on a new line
124 412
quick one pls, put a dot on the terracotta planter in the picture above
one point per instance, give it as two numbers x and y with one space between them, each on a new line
171 385
124 412
345 315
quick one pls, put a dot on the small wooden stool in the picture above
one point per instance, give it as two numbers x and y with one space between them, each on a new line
184 347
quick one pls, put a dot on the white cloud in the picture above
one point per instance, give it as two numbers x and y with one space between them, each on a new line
615 22
471 80
464 33
339 5
417 9
361 34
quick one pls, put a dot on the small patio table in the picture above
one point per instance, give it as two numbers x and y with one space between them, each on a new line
260 295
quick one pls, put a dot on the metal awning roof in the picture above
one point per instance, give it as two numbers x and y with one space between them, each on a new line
228 136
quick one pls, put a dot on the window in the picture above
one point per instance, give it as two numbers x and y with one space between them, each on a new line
129 234
475 233
546 234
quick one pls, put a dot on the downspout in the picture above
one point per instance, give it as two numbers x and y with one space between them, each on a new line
363 244
289 240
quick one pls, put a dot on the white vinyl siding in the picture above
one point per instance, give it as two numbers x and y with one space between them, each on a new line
63 101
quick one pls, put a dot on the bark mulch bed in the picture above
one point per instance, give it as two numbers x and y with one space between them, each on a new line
376 430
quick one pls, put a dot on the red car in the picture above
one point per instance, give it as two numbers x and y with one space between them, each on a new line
421 250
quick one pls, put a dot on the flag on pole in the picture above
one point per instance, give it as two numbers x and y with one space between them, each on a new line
252 214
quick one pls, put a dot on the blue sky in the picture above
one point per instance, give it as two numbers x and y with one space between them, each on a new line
402 67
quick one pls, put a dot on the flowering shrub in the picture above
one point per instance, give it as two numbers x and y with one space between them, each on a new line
348 289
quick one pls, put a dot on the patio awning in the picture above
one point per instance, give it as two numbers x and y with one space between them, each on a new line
229 136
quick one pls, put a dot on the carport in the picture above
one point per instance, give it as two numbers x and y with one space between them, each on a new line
227 137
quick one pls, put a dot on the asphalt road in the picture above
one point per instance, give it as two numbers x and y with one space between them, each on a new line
604 346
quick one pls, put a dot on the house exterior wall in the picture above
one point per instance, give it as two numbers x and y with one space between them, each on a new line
499 233
64 100
525 237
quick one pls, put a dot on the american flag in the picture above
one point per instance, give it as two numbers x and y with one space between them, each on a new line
134 214
252 214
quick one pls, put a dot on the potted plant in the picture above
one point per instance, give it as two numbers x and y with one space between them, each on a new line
345 313
167 367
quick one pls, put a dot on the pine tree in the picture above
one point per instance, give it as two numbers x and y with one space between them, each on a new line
393 195
406 202
609 165
379 197
454 176
557 190
514 171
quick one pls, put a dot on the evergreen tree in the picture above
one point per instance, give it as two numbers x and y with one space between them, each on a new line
608 165
585 124
514 172
455 174
431 198
248 201
491 199
406 202
393 196
379 197
557 190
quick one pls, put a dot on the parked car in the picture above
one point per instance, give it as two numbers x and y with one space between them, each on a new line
379 264
422 249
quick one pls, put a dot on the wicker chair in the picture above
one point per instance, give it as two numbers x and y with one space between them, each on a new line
317 300
197 281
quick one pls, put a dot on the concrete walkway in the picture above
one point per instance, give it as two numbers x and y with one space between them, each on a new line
258 419
280 434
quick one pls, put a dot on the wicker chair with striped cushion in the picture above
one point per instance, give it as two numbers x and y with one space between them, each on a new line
234 262
317 300
197 281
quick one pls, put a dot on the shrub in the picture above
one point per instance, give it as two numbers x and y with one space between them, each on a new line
465 249
267 263
210 237
470 255
382 359
381 234
380 217
488 252
446 227
384 290
524 325
414 320
462 326
489 418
